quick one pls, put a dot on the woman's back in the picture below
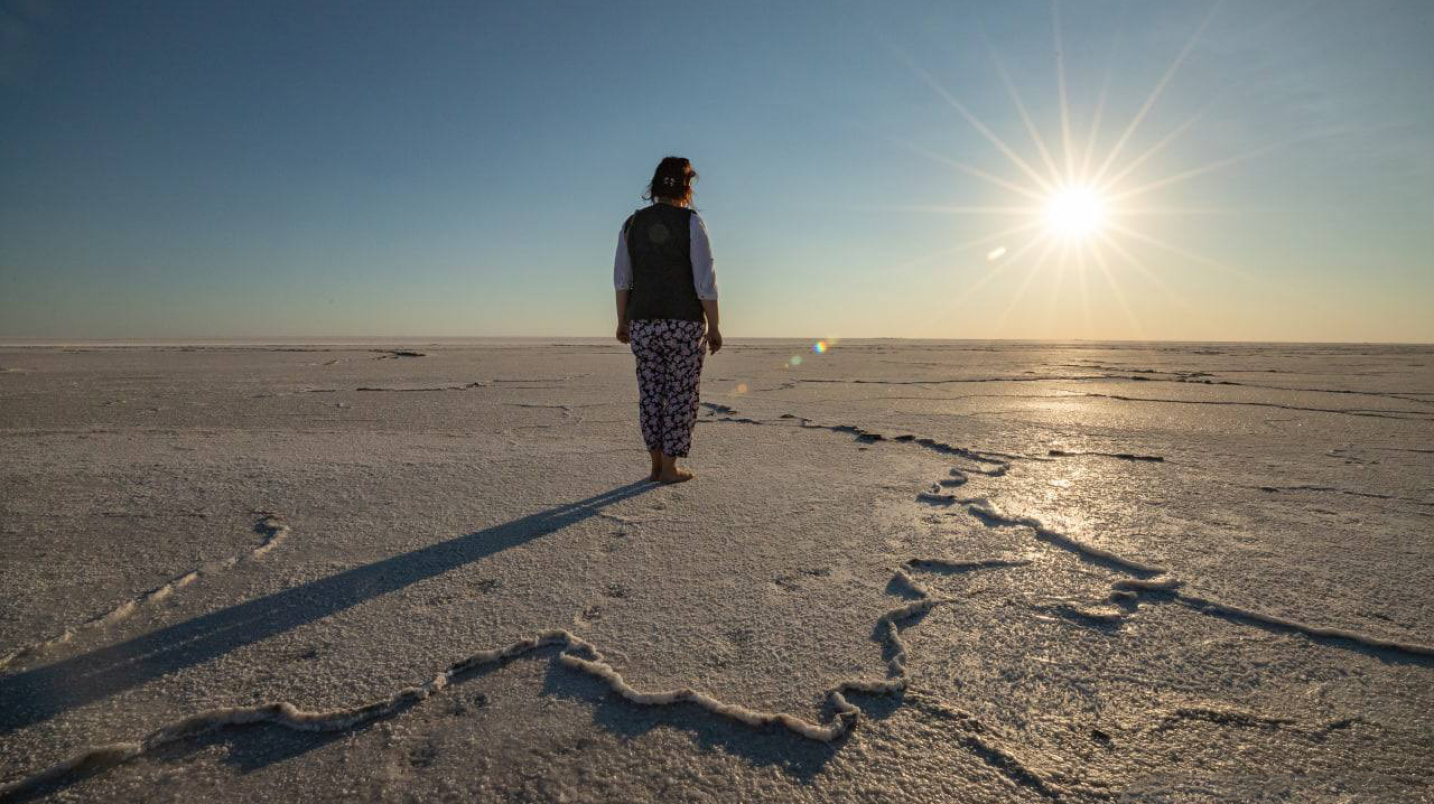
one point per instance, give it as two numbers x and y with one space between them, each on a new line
659 252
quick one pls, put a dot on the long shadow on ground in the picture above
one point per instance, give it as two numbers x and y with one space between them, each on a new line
37 695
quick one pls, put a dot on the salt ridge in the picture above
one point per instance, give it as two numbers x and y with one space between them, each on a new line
1150 578
1154 581
274 531
287 715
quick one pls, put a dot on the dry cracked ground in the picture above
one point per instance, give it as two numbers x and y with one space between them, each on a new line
983 572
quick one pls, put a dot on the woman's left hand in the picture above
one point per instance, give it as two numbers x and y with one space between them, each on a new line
622 335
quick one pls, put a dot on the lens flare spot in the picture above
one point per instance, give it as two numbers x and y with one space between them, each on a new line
796 360
996 253
741 387
820 347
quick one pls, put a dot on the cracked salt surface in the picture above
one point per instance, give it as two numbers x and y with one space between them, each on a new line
735 638
271 527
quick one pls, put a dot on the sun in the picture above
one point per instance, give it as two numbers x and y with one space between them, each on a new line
1075 212
1079 211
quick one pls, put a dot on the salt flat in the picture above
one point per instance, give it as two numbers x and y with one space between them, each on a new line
907 571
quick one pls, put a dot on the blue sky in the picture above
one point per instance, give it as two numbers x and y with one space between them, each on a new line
265 169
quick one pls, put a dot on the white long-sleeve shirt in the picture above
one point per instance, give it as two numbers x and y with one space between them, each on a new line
704 277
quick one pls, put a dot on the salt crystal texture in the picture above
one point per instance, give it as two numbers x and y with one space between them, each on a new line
906 571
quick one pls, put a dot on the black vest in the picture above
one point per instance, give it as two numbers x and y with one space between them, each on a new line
658 243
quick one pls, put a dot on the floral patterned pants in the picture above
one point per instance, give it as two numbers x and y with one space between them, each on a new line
669 364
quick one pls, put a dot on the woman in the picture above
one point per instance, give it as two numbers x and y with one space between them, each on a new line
666 288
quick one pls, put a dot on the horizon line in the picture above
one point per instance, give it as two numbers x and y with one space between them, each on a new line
296 340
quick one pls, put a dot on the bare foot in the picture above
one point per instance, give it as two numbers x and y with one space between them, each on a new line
676 475
672 473
656 473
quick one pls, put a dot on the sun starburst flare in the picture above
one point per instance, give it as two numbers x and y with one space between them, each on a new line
1079 208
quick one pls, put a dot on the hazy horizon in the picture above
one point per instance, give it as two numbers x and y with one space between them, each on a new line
1102 171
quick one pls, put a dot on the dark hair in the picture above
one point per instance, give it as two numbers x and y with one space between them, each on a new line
673 179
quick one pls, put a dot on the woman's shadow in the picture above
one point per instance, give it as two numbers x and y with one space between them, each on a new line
39 694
